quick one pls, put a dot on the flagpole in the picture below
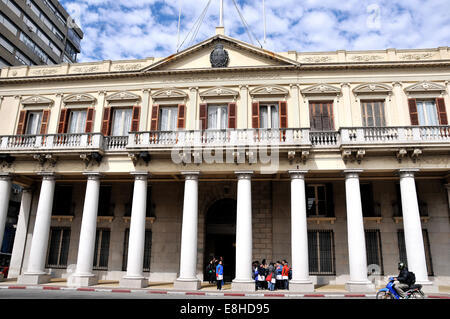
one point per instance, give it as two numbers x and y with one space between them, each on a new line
264 19
221 13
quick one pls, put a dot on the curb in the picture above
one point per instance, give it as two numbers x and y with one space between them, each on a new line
203 293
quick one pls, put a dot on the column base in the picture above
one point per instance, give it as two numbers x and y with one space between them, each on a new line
82 280
189 284
428 286
33 279
356 286
2 278
243 286
130 282
301 286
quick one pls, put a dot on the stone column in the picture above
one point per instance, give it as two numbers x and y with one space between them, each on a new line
244 240
35 273
189 232
83 275
134 277
355 233
415 249
5 193
15 266
299 235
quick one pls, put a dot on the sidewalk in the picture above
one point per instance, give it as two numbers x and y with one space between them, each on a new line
206 290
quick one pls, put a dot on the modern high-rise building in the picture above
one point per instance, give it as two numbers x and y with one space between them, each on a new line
36 32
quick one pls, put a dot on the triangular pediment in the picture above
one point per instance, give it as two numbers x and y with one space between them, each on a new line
235 54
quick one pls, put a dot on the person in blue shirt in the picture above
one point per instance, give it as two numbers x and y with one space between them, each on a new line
219 275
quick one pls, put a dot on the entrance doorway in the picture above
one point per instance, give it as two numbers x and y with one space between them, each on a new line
220 239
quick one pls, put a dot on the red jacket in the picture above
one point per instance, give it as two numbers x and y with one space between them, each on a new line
285 271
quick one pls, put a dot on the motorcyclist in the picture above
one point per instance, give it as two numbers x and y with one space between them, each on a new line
401 281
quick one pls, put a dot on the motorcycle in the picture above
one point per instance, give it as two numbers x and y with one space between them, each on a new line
413 292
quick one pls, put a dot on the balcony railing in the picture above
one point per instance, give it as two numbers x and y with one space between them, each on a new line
281 138
395 135
54 142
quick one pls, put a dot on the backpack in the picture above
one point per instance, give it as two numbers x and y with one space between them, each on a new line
411 278
290 274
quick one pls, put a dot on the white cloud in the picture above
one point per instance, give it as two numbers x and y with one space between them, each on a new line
123 29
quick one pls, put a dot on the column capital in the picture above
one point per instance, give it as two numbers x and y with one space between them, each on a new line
93 175
408 172
47 176
298 174
244 174
140 175
190 175
352 173
5 176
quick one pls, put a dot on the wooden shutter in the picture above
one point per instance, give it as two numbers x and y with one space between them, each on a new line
440 106
412 104
283 114
232 115
106 121
89 120
22 123
135 119
44 122
155 118
63 119
181 116
204 116
255 115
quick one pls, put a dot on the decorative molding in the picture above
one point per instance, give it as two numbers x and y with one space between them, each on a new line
368 88
324 89
316 59
269 90
123 96
425 86
366 58
79 98
37 100
219 92
169 94
416 57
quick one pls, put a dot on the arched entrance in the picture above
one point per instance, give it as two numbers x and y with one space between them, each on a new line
220 239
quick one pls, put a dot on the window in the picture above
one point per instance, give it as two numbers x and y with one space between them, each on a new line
8 24
269 116
5 43
77 122
13 7
34 123
168 116
373 249
321 116
62 200
426 243
121 124
101 252
319 200
373 114
321 252
71 51
104 204
147 250
58 247
22 58
427 112
217 117
367 202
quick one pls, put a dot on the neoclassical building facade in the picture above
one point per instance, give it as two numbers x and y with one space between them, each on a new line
140 171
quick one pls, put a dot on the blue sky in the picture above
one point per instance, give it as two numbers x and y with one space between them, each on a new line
134 29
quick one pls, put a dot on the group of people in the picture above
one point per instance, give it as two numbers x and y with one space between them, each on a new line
272 276
214 272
